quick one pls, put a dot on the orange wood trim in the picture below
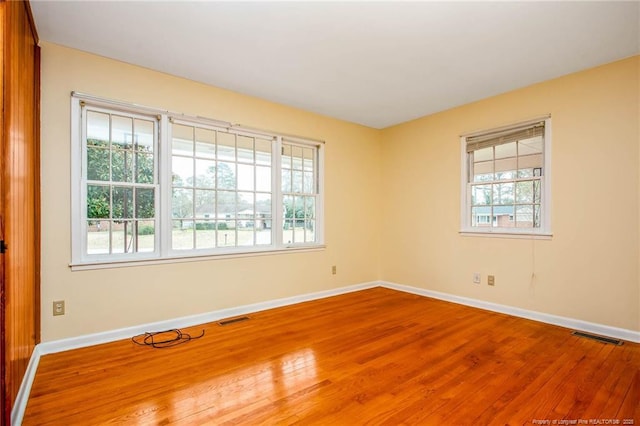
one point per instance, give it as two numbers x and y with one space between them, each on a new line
5 403
19 206
32 22
36 196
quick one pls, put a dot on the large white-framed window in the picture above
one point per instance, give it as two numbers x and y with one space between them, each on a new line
506 180
153 186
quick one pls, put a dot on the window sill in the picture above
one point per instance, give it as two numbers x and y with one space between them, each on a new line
504 234
100 264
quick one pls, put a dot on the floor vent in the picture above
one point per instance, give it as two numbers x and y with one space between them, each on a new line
598 338
232 320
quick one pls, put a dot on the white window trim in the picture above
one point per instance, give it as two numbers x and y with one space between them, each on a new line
544 232
163 252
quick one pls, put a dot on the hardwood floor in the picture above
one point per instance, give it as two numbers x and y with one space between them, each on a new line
376 357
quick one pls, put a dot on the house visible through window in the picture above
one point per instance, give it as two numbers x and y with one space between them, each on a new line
200 187
506 180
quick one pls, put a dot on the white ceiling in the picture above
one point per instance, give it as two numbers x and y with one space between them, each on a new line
373 63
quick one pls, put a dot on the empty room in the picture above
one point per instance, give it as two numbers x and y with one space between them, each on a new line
320 213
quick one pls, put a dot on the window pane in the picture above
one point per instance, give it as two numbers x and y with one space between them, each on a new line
122 202
505 168
144 168
98 234
480 195
205 234
483 165
263 205
503 193
536 216
287 231
263 179
121 132
507 150
97 129
205 143
309 207
226 175
299 210
484 154
310 232
263 151
98 167
226 202
245 232
480 216
182 235
308 159
296 184
263 232
146 235
182 143
536 191
121 165
227 237
182 203
503 216
245 177
226 146
298 232
182 171
205 204
205 173
524 216
245 149
245 204
143 136
286 156
524 192
296 158
309 183
122 236
528 216
529 156
286 180
263 219
145 203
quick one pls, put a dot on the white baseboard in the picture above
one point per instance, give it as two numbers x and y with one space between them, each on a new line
571 323
20 404
192 320
45 348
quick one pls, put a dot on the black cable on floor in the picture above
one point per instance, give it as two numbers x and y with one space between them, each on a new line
164 339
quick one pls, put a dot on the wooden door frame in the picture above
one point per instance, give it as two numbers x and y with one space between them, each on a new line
19 144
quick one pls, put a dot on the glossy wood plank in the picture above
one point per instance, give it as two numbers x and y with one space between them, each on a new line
19 194
376 357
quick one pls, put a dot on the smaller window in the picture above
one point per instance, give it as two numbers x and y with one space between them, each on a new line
506 180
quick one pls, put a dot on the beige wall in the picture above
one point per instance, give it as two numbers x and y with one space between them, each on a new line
392 204
101 300
589 269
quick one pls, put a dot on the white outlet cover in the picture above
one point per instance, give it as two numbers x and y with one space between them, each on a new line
476 278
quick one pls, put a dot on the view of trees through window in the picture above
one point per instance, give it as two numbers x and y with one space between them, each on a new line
120 183
216 187
221 189
506 184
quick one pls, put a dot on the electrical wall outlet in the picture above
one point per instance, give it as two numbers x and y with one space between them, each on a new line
476 278
491 280
58 307
334 270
